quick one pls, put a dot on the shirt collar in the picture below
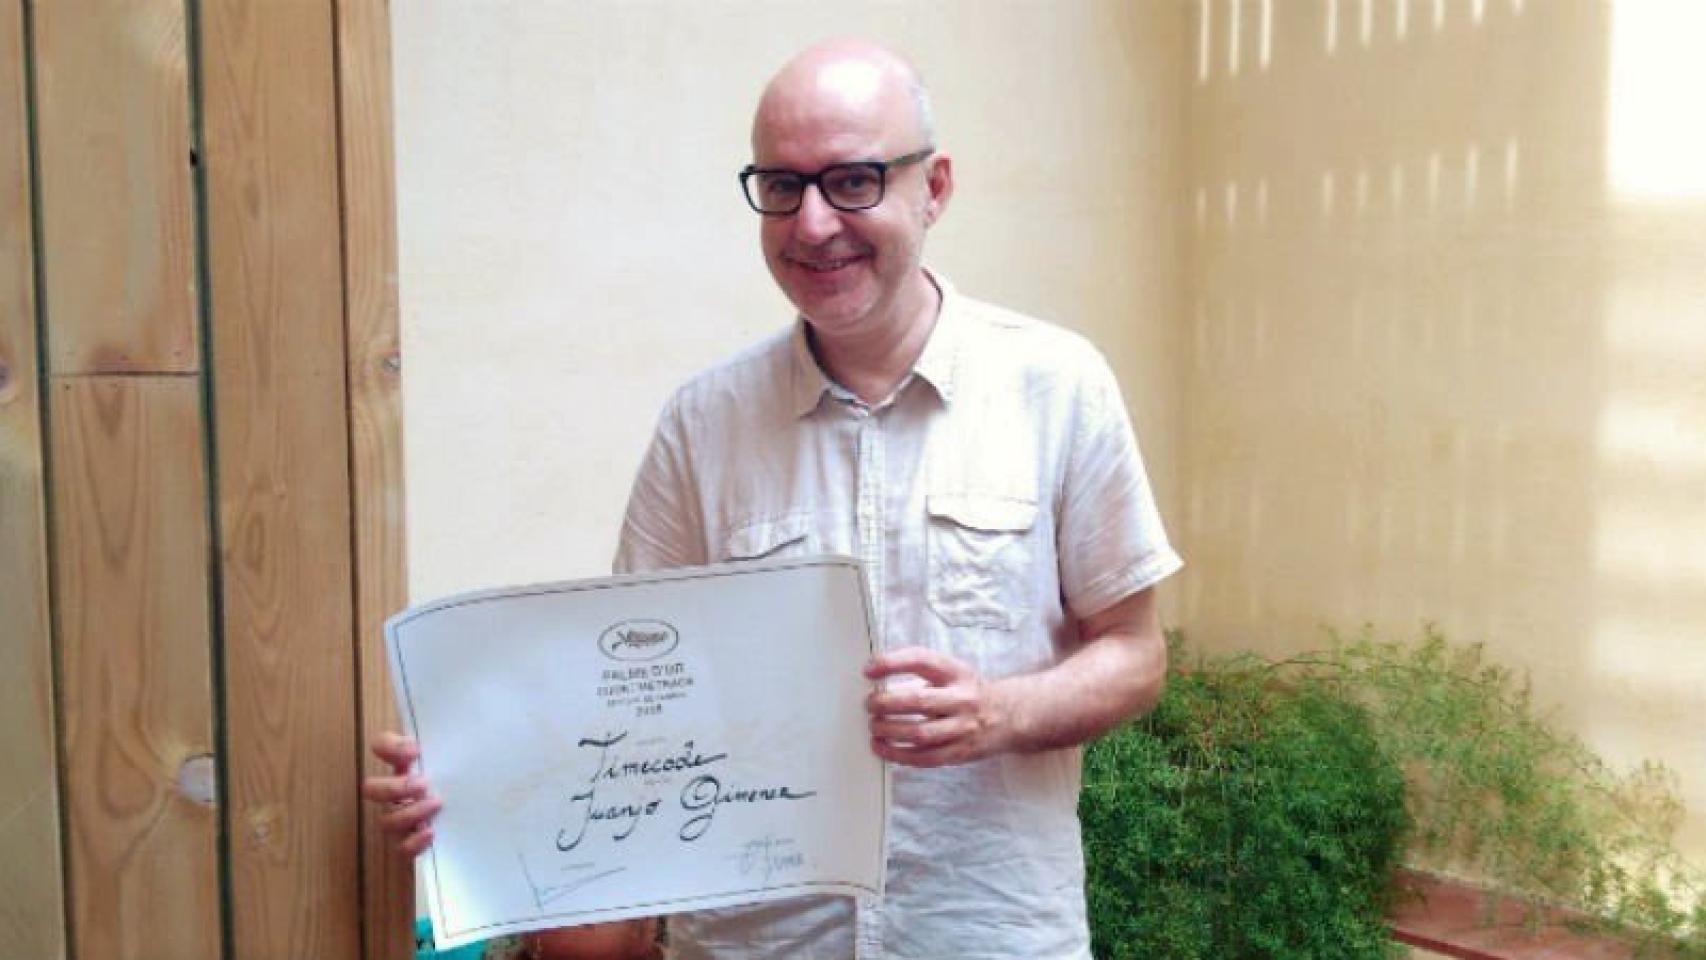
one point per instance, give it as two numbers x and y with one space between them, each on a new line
810 383
935 365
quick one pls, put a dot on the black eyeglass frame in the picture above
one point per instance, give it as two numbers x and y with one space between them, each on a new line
879 167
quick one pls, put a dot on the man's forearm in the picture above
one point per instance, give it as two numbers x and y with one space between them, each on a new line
1116 673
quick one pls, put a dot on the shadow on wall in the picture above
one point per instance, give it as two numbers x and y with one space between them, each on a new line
1445 342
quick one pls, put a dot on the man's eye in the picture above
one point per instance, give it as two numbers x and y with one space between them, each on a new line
781 186
854 181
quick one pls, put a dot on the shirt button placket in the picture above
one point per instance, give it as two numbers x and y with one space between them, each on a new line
868 511
869 515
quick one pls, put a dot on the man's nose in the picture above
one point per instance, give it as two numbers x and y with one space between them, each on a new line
816 221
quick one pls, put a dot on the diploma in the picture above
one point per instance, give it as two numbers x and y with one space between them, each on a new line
642 745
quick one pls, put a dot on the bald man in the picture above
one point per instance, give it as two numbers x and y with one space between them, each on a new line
979 463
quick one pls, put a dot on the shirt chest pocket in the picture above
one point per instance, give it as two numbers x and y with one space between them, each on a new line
980 555
782 536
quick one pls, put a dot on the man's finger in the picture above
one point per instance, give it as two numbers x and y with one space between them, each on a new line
397 750
393 789
916 700
406 818
416 842
933 665
921 735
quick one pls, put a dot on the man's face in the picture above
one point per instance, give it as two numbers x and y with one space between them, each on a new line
842 269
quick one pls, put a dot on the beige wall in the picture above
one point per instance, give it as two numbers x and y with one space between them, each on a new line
1447 345
573 243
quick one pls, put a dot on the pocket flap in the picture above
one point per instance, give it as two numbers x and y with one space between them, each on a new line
980 511
764 537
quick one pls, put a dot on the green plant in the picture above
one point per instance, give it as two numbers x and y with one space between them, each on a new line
1244 818
1498 794
1258 811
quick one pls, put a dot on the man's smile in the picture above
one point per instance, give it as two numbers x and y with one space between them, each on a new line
825 264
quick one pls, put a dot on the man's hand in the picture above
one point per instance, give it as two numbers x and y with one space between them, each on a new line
413 806
412 802
950 714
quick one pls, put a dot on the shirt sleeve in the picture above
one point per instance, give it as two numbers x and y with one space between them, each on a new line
1110 539
662 527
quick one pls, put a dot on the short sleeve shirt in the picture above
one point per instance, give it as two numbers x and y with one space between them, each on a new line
997 497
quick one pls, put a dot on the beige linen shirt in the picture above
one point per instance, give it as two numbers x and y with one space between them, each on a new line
994 499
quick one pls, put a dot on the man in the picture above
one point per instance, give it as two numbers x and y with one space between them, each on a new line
982 467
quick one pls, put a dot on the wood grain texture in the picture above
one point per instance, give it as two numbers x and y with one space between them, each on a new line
376 430
269 103
131 551
31 901
117 215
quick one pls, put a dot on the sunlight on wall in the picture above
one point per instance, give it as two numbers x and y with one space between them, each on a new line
1248 22
1656 142
1447 318
1651 540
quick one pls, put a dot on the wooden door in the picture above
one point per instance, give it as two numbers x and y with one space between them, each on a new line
200 478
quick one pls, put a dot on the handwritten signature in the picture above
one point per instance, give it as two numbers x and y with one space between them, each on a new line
768 856
701 796
545 894
706 793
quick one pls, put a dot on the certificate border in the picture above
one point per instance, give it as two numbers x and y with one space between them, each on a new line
394 635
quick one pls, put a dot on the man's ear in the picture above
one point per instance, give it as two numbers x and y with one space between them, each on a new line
939 179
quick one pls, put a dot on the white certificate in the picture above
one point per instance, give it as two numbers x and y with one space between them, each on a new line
643 745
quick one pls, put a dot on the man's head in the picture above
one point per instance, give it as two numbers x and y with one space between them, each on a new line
851 271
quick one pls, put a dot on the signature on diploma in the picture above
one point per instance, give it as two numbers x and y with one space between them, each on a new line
701 797
548 893
768 856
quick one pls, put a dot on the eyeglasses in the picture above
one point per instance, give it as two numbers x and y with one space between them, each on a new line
858 185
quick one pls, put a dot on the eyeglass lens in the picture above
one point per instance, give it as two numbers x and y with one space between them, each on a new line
849 186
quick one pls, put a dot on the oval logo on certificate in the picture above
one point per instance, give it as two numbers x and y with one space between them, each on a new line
638 640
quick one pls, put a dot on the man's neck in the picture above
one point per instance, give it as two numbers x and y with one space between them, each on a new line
874 365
